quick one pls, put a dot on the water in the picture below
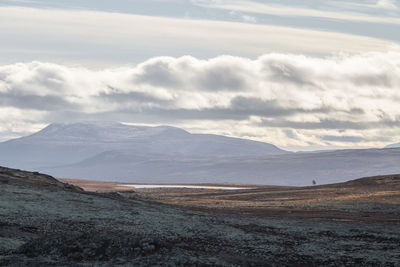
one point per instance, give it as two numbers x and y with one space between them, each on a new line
182 186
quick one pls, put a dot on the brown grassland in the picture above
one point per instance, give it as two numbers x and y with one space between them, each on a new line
365 199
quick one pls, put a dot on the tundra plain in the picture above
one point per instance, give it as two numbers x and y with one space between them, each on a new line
45 222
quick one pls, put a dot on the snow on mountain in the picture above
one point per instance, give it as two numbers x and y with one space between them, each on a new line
393 145
62 143
163 154
98 132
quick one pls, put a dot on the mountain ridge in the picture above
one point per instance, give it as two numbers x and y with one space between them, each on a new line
395 145
67 143
288 169
164 154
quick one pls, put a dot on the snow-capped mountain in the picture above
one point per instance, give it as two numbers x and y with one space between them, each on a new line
114 151
63 143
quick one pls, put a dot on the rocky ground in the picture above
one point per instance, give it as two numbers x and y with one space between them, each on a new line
47 223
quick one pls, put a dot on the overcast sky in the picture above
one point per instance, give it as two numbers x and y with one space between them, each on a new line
302 75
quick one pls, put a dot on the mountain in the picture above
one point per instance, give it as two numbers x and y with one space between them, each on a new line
393 145
61 144
117 152
286 169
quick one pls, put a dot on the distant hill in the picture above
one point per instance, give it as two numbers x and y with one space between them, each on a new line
91 138
393 145
68 143
288 169
117 152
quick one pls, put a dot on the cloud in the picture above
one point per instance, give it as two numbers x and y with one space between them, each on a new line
74 36
344 138
293 11
240 16
27 101
285 99
15 122
332 124
387 4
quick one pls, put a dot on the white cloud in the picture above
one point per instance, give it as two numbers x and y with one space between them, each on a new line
286 99
387 4
284 10
112 38
244 18
15 122
249 19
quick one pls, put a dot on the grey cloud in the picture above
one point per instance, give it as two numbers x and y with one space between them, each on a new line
283 70
240 108
357 111
332 124
346 139
289 133
44 75
181 114
186 73
36 102
367 70
382 79
269 108
323 124
221 78
158 73
131 97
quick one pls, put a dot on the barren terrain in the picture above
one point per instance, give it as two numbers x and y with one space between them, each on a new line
366 199
44 222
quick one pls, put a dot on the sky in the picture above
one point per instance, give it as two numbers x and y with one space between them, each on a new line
303 75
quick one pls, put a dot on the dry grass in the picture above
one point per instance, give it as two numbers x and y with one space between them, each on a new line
96 186
374 198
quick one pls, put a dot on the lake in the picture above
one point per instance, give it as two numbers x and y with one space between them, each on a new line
182 186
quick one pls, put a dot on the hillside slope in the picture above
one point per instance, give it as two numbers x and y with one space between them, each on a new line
41 226
34 179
